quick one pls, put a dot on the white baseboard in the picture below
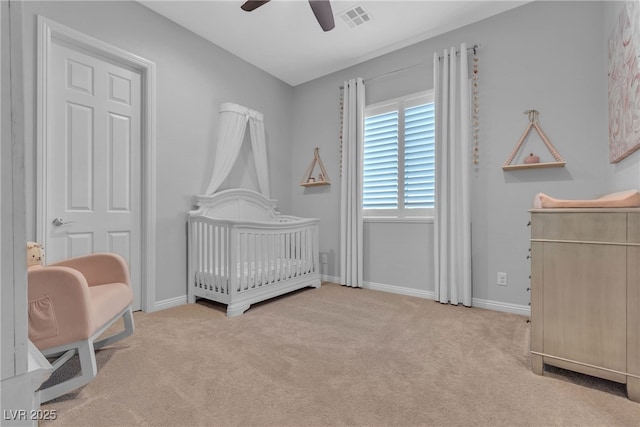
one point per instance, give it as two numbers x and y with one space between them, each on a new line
332 279
169 303
522 310
386 288
400 290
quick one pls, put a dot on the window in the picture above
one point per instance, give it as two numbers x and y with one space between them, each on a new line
399 157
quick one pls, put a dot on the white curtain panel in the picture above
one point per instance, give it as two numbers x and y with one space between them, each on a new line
231 129
452 230
351 247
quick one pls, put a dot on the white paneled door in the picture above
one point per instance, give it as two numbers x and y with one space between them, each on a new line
93 160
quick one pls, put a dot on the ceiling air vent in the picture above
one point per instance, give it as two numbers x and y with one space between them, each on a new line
355 16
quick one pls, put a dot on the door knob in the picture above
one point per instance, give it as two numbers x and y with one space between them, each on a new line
59 221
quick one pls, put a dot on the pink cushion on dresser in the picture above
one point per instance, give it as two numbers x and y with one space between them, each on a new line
622 199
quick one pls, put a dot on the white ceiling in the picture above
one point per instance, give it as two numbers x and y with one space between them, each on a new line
283 38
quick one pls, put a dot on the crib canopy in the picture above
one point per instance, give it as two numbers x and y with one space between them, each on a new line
232 126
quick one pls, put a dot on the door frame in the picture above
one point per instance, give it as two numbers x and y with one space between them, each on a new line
48 31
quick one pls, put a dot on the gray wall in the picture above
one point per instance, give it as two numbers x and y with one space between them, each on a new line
550 56
193 78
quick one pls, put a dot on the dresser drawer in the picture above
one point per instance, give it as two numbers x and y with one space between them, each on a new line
581 226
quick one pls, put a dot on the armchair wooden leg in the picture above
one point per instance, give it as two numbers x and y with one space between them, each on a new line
86 353
129 327
61 359
88 371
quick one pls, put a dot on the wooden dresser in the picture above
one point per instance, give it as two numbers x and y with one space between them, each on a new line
585 293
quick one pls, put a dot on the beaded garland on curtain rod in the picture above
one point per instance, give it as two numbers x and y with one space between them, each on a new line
341 112
475 112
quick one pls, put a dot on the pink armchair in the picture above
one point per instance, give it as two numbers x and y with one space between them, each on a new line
71 304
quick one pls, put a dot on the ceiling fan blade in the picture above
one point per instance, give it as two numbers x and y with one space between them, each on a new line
252 5
324 14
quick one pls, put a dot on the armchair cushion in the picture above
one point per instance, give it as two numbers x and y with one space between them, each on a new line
108 300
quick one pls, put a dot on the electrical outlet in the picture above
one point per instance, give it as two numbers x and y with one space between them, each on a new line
502 279
323 258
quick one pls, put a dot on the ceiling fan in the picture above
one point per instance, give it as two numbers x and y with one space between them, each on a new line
321 9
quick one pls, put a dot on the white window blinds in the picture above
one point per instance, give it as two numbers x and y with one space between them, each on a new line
380 180
419 156
399 157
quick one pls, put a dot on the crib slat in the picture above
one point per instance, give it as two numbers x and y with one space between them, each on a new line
252 264
225 256
222 269
268 256
309 261
220 260
200 252
271 265
252 261
246 259
288 255
211 252
242 256
305 254
217 268
256 260
193 255
300 253
235 247
207 255
260 260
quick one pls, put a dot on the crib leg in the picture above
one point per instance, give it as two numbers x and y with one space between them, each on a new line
191 298
236 309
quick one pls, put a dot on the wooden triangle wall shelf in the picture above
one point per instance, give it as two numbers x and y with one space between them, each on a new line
533 124
308 180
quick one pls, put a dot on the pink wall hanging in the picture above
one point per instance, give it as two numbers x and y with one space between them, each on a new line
624 84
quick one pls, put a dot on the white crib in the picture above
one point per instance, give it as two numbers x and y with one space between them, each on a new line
242 251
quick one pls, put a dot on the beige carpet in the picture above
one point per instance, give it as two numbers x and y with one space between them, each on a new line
335 356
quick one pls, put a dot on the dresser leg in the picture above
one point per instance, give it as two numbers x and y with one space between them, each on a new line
633 389
536 364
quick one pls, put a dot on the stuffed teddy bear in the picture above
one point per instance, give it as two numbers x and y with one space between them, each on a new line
35 254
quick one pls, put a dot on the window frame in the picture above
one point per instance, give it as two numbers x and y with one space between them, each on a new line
401 213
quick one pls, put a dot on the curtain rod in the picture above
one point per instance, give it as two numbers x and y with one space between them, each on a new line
474 48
